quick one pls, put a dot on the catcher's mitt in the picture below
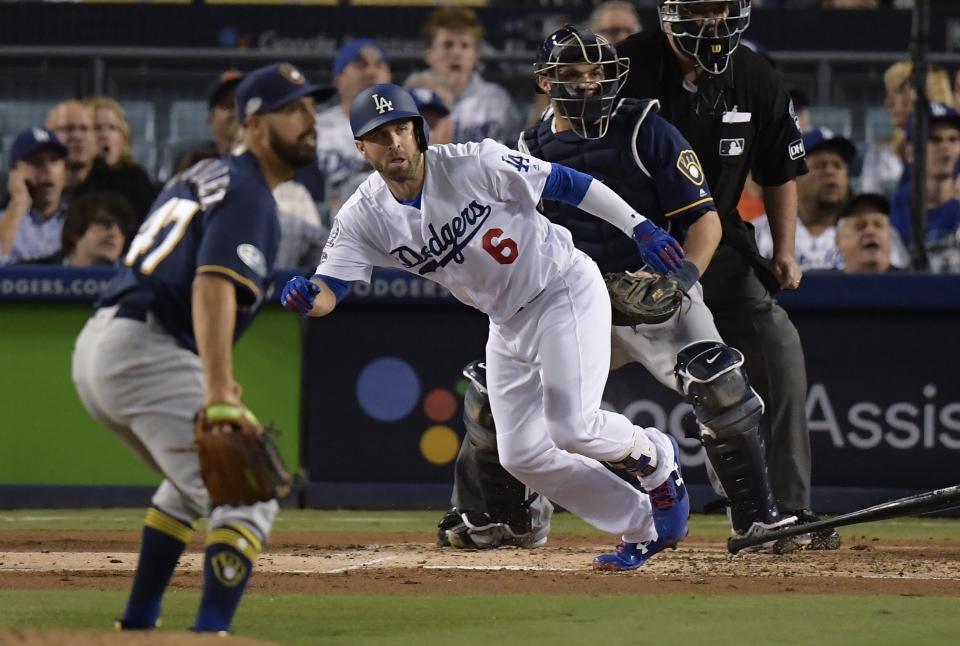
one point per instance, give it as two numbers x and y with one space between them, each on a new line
643 299
239 461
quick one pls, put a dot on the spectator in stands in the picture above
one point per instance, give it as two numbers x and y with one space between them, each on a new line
31 225
72 122
943 208
95 231
615 20
223 123
86 172
222 112
436 111
821 194
358 64
302 231
111 131
481 109
883 162
864 234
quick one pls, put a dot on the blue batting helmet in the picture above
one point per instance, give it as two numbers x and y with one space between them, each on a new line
382 104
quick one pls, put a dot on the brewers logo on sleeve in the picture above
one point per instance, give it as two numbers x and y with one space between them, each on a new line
689 165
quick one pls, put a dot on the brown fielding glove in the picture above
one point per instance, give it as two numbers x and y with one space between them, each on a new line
239 461
643 300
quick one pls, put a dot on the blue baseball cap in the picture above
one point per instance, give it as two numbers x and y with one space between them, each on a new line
33 139
427 99
827 139
939 113
267 88
351 52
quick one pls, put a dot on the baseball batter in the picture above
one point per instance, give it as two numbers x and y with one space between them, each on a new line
158 348
464 216
647 162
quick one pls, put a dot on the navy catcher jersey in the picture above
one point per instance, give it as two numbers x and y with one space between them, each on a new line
217 217
645 160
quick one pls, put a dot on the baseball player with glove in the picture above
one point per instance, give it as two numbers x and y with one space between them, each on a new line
154 363
659 317
464 216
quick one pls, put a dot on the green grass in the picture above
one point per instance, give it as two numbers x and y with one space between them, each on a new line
356 620
425 521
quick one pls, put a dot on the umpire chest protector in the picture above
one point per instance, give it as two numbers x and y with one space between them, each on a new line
612 160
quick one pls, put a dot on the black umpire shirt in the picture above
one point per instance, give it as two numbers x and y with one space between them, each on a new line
753 127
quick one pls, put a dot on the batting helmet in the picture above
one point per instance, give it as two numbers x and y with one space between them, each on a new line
706 30
382 104
584 95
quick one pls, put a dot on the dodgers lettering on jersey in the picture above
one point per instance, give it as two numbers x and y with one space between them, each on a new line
217 217
477 233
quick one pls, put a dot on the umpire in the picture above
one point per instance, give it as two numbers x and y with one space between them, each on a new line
735 111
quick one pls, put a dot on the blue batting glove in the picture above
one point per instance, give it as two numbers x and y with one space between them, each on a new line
298 294
657 248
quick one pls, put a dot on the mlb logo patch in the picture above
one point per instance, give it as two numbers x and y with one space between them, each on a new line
731 147
796 150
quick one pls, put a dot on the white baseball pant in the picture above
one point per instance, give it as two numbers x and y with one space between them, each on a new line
546 370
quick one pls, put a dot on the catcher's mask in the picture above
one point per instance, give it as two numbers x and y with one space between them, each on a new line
708 31
585 76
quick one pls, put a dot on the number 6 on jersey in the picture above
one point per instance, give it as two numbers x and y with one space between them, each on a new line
503 250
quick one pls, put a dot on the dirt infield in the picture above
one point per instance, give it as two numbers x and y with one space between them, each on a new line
409 563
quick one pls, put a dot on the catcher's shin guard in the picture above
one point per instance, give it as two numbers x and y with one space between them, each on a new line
711 376
490 506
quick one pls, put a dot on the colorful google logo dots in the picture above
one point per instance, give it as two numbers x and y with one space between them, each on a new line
439 444
440 405
388 389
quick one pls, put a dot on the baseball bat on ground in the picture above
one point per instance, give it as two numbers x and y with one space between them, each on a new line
923 503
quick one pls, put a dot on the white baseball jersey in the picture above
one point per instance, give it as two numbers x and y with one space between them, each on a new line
477 233
813 252
484 110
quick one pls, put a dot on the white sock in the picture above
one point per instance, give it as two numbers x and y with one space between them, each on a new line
664 458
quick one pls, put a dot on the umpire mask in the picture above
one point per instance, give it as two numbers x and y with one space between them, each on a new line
708 31
585 75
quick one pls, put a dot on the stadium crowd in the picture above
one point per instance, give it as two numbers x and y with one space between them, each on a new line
75 194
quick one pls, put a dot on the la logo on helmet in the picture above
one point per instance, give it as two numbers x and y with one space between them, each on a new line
382 104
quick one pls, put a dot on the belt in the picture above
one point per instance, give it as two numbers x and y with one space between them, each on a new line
131 311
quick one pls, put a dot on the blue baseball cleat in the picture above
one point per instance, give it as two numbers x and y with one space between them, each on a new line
671 508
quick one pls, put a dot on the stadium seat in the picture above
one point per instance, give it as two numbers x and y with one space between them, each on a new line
876 123
17 115
140 116
836 118
188 120
145 154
